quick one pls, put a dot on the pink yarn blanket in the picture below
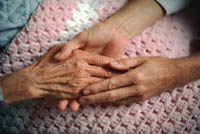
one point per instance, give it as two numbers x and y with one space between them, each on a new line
57 21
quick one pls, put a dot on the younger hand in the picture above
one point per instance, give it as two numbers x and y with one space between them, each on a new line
102 39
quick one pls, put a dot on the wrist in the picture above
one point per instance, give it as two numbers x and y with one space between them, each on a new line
115 22
190 68
132 19
14 87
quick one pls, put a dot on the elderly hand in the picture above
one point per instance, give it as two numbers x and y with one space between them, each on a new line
102 39
61 80
144 77
110 37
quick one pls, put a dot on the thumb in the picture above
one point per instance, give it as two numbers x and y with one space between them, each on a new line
125 64
68 48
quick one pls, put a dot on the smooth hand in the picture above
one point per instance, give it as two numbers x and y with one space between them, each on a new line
103 39
143 78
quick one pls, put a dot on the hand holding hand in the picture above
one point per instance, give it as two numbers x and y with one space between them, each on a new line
102 39
55 79
144 77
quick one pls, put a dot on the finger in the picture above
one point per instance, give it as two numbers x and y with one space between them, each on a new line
96 71
94 59
55 80
72 86
74 106
66 51
108 84
92 80
40 93
110 96
133 99
62 104
83 82
58 88
125 64
129 100
58 95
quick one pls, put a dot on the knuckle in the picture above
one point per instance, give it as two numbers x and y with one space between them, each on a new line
74 82
78 64
30 92
98 60
82 82
83 36
111 84
139 76
76 91
111 97
76 52
76 73
105 73
125 61
80 73
78 82
140 90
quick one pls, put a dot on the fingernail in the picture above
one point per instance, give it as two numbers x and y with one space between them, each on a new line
76 107
85 92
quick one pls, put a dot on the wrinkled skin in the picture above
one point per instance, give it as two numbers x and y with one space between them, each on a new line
144 77
51 78
110 37
103 38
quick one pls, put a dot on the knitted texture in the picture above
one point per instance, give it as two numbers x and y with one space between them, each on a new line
14 14
58 21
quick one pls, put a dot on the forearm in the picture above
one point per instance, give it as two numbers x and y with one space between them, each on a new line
11 86
135 16
190 67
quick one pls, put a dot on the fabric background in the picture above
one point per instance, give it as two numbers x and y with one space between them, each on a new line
57 21
173 6
14 14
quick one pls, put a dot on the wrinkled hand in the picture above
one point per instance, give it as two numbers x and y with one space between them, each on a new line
102 39
144 77
61 80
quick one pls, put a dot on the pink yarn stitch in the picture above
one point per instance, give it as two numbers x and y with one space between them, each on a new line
177 111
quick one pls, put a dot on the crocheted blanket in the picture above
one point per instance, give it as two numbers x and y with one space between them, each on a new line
57 21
